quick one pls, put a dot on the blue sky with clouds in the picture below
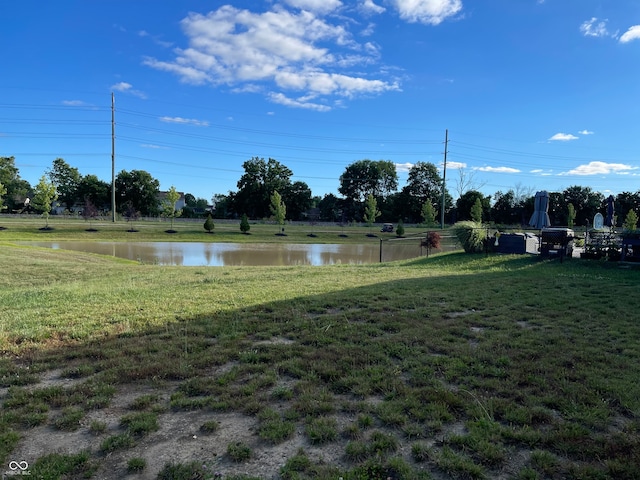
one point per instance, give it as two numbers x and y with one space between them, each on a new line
535 94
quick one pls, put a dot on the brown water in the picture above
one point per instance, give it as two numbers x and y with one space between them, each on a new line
226 254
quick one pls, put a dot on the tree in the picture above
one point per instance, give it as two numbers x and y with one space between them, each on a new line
371 211
208 224
465 203
244 224
297 197
139 189
503 210
17 188
571 215
424 183
3 192
131 214
89 211
257 184
585 201
169 205
630 221
467 181
428 213
330 209
66 180
367 177
96 190
400 229
476 211
278 208
43 198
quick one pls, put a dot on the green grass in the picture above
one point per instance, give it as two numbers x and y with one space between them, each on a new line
490 355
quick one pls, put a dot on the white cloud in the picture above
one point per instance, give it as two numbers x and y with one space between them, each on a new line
498 169
632 34
185 121
128 88
369 7
295 50
601 168
595 28
563 137
317 6
150 145
585 132
74 103
282 99
430 12
403 167
456 165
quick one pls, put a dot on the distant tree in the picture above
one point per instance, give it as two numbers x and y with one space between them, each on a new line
189 200
329 208
66 180
3 192
630 221
208 224
222 205
297 197
428 213
96 190
43 198
424 183
257 184
476 211
467 181
571 215
585 201
371 212
504 210
17 188
169 205
131 214
465 203
139 189
400 228
89 211
368 177
244 224
278 208
627 201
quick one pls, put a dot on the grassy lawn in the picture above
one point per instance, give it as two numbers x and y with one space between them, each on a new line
456 366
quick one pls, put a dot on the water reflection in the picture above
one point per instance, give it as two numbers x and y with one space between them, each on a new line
228 254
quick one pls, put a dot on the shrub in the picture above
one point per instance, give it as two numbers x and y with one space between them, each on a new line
244 224
400 229
471 236
238 452
136 464
208 224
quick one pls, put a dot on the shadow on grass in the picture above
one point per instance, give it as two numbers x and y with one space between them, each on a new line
523 354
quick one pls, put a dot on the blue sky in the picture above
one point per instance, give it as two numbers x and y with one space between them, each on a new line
535 94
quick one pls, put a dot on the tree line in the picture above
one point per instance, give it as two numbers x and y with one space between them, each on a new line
363 181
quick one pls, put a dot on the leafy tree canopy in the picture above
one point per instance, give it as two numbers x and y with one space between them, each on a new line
368 177
139 189
17 188
66 179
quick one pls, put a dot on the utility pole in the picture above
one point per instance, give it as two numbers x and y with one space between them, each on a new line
444 177
113 158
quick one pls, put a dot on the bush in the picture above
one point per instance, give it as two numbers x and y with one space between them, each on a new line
208 224
400 229
244 224
471 236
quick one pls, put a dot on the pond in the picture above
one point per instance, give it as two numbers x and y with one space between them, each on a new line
256 254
